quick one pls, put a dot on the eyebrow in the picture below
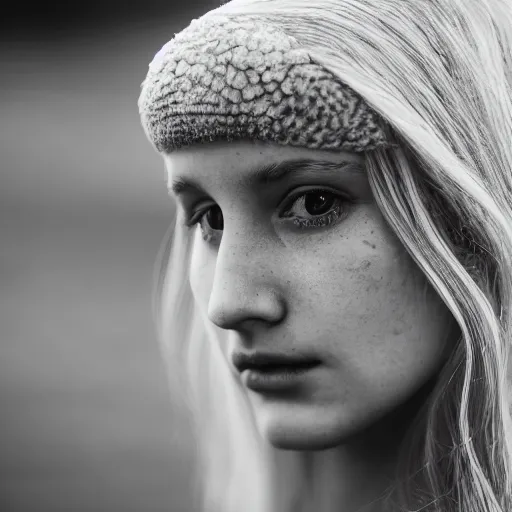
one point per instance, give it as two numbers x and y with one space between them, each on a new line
276 172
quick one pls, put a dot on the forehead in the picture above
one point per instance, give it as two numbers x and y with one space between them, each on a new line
238 160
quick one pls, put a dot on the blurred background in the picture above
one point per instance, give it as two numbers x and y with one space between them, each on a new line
87 423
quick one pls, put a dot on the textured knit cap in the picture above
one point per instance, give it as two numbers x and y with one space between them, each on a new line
228 79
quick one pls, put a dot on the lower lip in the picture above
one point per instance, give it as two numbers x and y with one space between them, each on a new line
276 379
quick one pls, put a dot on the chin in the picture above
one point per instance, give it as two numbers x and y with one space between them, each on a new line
288 441
293 432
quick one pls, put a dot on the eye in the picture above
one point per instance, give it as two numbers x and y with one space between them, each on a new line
211 223
214 218
313 209
317 208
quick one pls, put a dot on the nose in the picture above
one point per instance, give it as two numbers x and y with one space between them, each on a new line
245 286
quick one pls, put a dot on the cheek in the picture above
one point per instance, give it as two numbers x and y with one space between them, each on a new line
396 337
400 321
405 321
379 320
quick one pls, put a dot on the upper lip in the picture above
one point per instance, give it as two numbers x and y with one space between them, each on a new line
243 361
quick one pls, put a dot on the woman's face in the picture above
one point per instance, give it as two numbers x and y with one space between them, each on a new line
304 264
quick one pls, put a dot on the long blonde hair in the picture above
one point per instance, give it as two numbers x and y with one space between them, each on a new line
440 72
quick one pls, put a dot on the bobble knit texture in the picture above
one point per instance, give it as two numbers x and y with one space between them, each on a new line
220 79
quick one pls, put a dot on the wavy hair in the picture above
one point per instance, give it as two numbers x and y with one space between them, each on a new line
440 73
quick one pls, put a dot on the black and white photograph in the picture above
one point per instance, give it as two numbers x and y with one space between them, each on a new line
256 256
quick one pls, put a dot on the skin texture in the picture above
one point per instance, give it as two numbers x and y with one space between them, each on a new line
347 293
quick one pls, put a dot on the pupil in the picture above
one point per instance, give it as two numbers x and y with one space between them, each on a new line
214 217
318 202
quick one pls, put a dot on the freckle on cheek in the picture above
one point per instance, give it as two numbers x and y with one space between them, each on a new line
365 264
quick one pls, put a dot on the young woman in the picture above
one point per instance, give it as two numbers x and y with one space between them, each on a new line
336 301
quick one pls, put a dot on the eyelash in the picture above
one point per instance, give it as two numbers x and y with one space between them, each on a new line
323 220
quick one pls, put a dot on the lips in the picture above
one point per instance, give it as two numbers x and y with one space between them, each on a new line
266 362
269 374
